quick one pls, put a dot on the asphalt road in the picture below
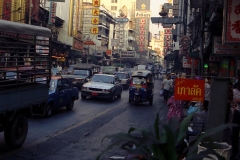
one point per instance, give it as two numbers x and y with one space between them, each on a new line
77 134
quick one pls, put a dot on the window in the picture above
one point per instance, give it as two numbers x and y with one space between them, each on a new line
114 8
66 84
114 1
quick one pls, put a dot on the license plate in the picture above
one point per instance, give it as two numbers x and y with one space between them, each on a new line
94 93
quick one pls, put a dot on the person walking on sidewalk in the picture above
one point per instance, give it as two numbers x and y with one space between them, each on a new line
207 94
166 86
175 108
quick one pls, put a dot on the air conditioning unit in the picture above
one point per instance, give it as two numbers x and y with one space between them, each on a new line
175 46
99 37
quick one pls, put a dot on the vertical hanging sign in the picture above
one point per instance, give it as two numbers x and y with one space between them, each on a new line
52 13
6 15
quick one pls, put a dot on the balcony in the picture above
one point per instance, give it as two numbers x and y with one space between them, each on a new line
130 48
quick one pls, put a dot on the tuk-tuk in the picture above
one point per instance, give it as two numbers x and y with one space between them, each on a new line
141 87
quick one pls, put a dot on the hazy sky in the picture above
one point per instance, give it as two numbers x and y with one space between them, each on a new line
155 6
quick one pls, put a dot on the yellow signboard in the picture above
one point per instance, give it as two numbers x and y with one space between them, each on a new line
95 21
94 30
96 3
95 12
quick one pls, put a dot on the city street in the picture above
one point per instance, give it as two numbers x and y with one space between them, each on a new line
77 134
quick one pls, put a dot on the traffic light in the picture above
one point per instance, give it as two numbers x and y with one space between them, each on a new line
205 65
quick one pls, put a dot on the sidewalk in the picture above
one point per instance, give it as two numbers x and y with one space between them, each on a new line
226 133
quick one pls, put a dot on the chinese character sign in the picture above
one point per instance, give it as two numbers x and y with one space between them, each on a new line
52 13
96 3
94 30
95 21
189 90
95 12
232 22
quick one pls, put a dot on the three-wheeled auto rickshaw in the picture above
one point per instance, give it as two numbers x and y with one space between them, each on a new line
141 87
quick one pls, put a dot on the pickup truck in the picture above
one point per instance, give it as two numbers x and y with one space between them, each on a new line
61 94
25 57
81 73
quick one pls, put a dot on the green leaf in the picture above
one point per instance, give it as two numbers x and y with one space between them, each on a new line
207 134
171 151
205 154
183 127
156 127
131 129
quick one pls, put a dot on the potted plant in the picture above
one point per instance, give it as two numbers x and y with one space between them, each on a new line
222 148
164 144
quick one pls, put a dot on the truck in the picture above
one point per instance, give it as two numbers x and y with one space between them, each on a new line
25 74
81 73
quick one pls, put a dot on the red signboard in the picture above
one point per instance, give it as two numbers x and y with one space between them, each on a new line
6 15
88 42
189 90
77 44
35 9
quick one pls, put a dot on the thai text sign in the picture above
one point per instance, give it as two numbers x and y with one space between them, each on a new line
189 90
232 22
228 48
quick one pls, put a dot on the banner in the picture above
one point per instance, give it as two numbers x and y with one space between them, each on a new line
189 89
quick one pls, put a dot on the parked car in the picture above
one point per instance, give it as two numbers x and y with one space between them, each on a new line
124 77
61 94
102 86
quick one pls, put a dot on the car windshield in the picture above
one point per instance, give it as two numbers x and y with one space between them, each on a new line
103 79
81 72
121 75
139 80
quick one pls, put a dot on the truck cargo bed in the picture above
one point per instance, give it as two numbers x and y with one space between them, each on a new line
23 97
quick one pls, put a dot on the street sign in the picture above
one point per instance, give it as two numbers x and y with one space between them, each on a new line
166 20
96 3
95 20
94 30
88 42
121 20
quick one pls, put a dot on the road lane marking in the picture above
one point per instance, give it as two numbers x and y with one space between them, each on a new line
60 132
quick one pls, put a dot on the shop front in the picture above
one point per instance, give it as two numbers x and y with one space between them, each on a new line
224 60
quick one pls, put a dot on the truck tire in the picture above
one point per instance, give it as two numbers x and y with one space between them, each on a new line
48 110
16 131
70 105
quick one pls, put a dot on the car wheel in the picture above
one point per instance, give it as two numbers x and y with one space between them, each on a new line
83 97
151 101
48 110
69 106
135 100
15 132
129 100
112 97
119 95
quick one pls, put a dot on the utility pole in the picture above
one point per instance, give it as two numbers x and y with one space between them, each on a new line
87 54
202 41
30 12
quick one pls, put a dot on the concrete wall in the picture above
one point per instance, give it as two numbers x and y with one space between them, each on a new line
62 12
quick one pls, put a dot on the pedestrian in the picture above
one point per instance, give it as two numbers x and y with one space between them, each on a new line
207 94
236 120
175 108
166 86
